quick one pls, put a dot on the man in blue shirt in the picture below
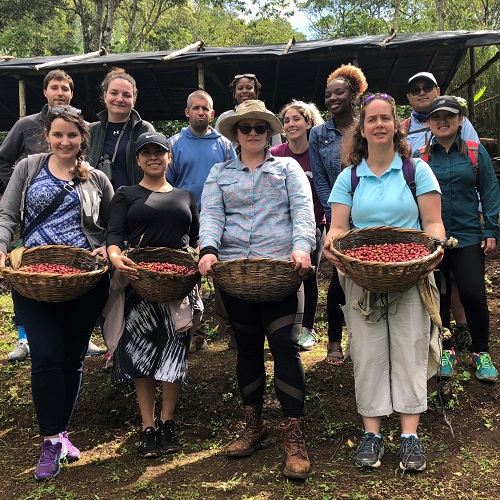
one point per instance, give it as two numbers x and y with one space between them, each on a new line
422 90
195 150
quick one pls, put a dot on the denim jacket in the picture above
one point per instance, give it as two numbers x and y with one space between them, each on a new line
325 150
266 212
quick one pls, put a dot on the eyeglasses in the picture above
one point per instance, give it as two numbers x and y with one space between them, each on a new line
259 129
57 110
385 97
245 75
427 87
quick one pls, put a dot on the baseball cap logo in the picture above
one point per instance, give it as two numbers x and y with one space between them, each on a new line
149 136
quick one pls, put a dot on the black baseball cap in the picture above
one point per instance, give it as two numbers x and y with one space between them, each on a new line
445 103
151 138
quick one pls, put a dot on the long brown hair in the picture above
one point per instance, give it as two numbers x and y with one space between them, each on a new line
356 146
80 170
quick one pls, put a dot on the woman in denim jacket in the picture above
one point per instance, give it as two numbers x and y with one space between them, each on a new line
343 88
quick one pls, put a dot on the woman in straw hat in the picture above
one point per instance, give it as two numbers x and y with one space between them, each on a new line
261 206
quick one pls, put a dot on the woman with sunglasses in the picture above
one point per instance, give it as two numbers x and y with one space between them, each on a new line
261 206
244 87
58 332
118 127
298 118
343 89
461 181
389 344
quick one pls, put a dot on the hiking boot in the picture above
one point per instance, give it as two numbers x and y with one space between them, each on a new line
20 352
485 369
94 350
307 339
167 443
297 465
448 361
73 452
253 437
197 344
148 446
411 455
369 452
463 340
49 464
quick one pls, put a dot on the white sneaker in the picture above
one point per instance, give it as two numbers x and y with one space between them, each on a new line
20 352
93 350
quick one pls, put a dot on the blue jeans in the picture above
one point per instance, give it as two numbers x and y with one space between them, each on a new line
58 334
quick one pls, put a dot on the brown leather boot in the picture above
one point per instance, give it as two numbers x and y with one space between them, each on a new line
297 463
253 437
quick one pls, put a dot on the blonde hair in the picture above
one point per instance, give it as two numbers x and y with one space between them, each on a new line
308 110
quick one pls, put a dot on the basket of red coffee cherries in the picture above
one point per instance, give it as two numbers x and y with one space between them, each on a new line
165 274
54 273
386 259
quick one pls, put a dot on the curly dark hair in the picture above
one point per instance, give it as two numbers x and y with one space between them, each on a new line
356 146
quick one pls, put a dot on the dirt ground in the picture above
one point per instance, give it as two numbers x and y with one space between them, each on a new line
462 444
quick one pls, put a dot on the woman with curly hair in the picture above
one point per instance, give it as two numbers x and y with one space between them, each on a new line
298 118
343 89
389 344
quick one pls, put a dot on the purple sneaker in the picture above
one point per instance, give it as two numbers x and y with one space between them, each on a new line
49 464
73 452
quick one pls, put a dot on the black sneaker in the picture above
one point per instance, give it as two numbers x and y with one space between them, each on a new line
411 455
148 446
369 452
166 438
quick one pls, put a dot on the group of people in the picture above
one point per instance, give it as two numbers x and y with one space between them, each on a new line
225 191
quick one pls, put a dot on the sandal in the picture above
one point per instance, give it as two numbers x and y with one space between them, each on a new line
335 360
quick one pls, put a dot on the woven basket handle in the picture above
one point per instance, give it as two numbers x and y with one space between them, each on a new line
194 253
16 257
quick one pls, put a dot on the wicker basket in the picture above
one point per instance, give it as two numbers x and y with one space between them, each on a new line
163 287
47 287
258 280
385 277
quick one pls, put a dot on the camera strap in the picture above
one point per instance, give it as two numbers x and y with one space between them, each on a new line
122 131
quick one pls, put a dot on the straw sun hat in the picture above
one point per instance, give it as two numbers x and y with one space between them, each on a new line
249 109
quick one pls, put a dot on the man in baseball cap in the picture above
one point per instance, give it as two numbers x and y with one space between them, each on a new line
422 91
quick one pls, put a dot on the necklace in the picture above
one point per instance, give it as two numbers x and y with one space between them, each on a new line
66 172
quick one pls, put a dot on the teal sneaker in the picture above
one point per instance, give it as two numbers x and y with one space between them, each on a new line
307 339
448 361
485 369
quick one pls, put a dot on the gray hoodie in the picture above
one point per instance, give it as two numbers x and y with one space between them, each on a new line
95 197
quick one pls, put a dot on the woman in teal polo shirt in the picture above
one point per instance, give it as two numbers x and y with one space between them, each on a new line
461 181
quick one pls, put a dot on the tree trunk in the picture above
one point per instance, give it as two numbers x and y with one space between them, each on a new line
440 13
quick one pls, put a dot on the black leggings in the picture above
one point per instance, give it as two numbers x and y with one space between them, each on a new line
335 316
280 322
311 283
467 265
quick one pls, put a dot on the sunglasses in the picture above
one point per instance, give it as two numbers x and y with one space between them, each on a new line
385 97
245 75
259 129
57 110
418 88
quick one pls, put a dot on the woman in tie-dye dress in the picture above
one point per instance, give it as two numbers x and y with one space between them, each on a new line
152 214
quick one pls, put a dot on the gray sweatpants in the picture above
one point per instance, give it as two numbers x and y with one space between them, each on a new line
390 355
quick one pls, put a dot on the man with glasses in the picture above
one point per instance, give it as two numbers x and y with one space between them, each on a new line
195 150
26 138
422 90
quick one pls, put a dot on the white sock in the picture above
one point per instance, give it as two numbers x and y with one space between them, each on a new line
408 435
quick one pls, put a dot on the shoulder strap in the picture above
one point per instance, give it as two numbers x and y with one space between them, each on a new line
354 179
423 155
409 175
473 150
50 209
405 125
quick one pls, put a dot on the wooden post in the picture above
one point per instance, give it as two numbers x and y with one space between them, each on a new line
470 87
22 99
201 77
497 125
